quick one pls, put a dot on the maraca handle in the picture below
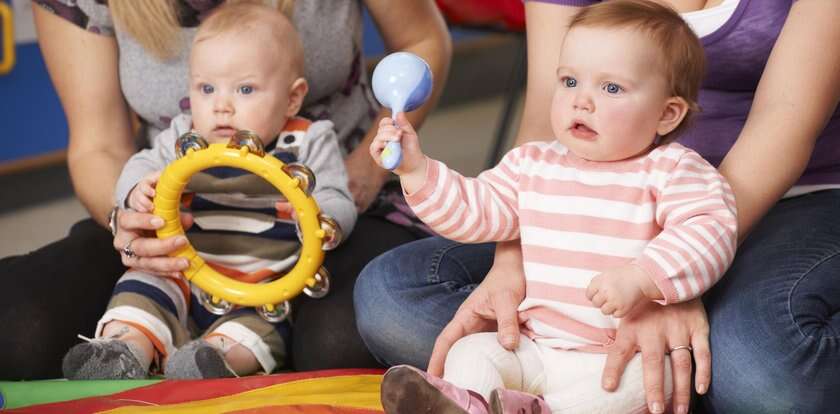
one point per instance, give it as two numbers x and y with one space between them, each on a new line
392 155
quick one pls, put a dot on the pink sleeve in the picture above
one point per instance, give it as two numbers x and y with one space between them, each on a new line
696 210
470 210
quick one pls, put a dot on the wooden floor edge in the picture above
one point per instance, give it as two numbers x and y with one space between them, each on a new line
31 163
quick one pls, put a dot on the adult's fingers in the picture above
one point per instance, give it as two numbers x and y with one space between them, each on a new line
146 247
505 305
653 367
451 333
681 371
702 360
134 221
161 265
618 355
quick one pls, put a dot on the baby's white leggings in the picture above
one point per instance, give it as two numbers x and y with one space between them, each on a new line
570 381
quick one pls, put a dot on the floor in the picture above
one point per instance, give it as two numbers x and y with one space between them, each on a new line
459 134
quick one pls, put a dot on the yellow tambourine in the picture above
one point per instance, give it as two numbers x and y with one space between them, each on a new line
318 232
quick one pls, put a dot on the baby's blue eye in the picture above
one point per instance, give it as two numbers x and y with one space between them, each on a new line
612 88
207 89
246 89
569 82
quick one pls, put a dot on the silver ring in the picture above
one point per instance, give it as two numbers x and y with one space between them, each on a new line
677 348
128 251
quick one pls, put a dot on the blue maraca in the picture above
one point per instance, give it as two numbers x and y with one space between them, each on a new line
402 81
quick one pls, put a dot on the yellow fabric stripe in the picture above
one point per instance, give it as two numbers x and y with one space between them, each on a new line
350 391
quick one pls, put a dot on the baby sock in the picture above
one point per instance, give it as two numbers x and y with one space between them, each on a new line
105 358
197 360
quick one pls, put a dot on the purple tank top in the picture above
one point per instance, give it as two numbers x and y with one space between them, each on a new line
736 55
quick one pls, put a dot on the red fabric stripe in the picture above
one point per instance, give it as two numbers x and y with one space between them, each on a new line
174 392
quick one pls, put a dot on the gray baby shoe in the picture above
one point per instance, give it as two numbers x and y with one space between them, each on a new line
103 359
197 360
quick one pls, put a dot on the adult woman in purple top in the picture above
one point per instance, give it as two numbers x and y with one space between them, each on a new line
769 121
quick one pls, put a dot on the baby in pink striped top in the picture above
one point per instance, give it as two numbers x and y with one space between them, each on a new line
610 214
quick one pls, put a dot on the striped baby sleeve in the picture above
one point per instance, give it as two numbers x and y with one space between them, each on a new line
470 210
697 214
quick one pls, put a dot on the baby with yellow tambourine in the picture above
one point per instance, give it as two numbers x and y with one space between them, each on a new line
243 227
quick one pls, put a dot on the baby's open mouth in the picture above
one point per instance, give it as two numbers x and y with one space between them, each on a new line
582 131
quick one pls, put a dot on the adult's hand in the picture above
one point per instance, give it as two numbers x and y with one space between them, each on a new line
492 306
136 230
364 177
656 329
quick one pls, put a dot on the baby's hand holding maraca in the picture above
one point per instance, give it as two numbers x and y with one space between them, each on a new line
386 134
403 134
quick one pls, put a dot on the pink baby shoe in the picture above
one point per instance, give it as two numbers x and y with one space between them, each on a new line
504 401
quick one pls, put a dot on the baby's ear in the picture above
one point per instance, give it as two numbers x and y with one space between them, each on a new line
297 92
676 108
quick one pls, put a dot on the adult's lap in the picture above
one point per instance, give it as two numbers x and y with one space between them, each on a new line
52 294
405 297
775 315
324 334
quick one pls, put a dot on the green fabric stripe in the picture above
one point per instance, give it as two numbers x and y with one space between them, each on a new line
16 394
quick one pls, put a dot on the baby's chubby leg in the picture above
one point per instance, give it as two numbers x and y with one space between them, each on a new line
239 358
573 384
479 363
129 334
144 317
237 344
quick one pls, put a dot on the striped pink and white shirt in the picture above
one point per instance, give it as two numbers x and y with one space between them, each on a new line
668 211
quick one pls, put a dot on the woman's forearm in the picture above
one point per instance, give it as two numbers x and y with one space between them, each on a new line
94 175
546 28
786 118
83 67
761 169
508 255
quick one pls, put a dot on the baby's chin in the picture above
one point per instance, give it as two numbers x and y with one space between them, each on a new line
212 138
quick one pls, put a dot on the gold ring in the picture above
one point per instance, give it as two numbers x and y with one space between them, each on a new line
677 348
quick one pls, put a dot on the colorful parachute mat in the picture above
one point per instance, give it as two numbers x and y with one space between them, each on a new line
345 391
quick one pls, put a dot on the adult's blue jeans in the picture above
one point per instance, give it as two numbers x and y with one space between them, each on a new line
775 316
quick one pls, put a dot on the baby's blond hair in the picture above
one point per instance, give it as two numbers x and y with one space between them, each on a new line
154 23
245 16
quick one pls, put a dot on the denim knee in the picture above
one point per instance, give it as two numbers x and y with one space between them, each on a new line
405 297
776 340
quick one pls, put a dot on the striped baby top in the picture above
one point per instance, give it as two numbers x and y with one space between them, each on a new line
668 211
238 229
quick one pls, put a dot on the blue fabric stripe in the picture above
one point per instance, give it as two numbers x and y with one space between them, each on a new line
148 291
203 319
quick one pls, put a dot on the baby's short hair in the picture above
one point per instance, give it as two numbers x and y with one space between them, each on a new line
680 49
244 15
